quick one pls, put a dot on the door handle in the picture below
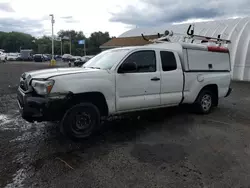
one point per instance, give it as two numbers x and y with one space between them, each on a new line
155 79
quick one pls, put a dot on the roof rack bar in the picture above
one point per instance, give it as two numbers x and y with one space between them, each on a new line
161 39
190 35
209 39
190 31
145 38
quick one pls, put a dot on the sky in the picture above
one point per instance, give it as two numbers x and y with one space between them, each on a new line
114 16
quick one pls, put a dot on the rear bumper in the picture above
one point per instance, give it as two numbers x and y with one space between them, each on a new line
33 108
229 92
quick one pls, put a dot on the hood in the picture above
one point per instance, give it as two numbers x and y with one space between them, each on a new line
47 73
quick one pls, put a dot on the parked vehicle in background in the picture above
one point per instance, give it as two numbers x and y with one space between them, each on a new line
78 62
3 56
66 57
48 57
26 55
58 57
38 58
82 60
12 56
19 57
87 58
74 58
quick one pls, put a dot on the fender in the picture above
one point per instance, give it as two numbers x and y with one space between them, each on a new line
79 84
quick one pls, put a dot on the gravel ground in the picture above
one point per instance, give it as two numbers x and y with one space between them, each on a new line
162 148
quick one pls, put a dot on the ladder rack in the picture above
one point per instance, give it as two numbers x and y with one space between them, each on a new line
190 35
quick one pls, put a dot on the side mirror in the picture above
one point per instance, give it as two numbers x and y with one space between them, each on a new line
128 67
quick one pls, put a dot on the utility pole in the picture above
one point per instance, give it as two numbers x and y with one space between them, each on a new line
84 47
70 44
52 38
61 47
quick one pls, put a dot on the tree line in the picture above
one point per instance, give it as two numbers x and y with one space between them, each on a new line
15 41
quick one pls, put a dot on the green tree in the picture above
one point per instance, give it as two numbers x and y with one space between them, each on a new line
95 40
14 41
74 36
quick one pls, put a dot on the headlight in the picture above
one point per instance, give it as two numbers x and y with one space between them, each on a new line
42 87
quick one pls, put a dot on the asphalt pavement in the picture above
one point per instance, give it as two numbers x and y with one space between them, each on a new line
162 148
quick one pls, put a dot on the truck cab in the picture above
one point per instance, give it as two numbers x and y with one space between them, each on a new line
125 80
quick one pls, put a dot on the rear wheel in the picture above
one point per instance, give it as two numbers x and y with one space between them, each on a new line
80 121
204 102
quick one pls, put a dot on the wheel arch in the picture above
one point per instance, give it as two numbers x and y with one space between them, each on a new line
213 88
96 98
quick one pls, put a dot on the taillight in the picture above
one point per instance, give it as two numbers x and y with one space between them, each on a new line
217 49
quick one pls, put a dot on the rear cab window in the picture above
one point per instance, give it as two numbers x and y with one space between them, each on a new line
168 61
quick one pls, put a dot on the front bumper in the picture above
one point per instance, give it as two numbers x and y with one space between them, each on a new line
36 108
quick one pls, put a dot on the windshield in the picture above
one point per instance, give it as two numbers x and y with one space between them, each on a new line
106 59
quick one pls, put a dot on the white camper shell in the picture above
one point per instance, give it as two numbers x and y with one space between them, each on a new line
197 57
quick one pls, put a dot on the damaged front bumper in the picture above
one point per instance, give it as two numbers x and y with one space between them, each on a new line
37 108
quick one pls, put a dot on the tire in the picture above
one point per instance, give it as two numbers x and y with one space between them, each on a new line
204 102
80 121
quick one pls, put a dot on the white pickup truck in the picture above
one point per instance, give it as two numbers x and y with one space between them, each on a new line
125 80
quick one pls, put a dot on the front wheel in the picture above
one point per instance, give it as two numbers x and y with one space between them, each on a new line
80 121
204 102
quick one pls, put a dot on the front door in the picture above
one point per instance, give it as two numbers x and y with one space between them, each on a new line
140 88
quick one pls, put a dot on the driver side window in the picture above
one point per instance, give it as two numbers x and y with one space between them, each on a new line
145 61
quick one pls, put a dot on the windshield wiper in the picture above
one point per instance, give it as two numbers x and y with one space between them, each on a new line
94 67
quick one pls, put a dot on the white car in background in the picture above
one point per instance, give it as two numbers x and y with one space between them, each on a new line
87 57
74 58
77 57
82 60
66 57
3 56
12 56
